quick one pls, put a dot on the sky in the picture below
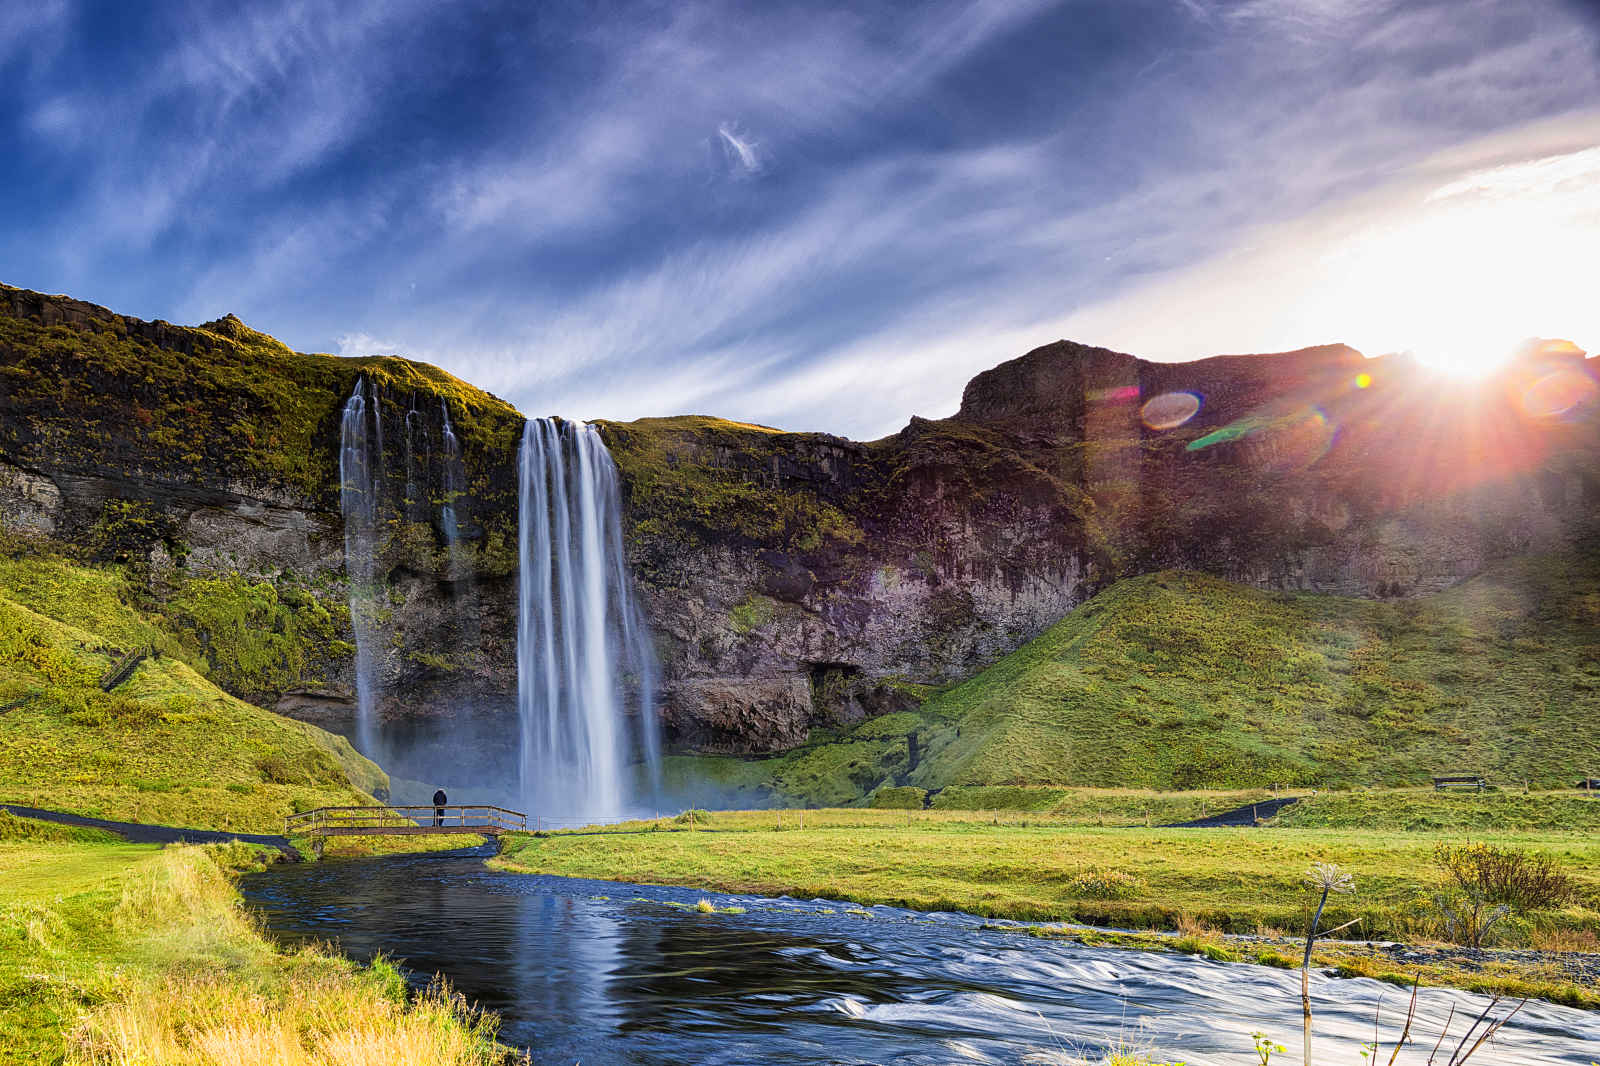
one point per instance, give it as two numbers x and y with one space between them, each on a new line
814 216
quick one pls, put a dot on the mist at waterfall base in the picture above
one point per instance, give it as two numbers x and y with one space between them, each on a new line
580 743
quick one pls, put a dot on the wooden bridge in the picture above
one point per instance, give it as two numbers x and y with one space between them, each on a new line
405 821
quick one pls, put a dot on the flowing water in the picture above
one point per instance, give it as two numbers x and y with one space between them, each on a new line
360 479
454 488
599 973
585 667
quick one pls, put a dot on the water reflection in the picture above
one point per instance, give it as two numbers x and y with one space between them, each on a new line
593 972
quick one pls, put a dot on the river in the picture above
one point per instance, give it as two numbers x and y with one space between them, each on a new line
600 973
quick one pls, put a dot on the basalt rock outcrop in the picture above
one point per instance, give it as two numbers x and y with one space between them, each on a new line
793 580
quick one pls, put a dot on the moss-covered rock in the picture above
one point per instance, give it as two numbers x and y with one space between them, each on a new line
1185 681
205 460
801 587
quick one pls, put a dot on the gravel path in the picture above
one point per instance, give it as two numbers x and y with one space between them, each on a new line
138 833
1238 816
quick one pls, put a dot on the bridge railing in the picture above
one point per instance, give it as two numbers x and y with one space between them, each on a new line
450 818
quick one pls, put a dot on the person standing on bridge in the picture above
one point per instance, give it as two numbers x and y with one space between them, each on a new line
439 800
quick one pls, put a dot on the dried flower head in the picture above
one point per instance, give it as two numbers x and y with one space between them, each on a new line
1328 877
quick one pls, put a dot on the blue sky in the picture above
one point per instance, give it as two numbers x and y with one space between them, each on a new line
814 216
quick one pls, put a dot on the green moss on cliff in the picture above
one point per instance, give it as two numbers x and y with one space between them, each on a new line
694 477
1178 680
258 641
250 636
83 385
751 613
166 745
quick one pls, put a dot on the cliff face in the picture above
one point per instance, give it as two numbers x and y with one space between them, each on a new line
207 458
801 580
793 580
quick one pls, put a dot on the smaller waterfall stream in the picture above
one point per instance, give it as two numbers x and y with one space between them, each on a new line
582 645
454 486
359 481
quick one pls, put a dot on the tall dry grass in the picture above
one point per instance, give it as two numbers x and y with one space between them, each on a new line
212 990
313 1018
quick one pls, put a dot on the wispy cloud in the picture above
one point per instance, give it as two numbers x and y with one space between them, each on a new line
741 150
35 29
561 207
359 344
1459 266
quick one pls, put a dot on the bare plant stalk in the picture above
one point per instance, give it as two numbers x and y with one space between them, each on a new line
1305 973
1411 1014
1494 1027
1455 1056
1329 878
1442 1033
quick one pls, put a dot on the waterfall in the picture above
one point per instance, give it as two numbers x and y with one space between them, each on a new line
582 642
360 479
454 486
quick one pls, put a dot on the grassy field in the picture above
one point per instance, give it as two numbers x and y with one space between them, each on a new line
1178 680
1039 866
115 953
119 953
167 745
1445 813
1234 879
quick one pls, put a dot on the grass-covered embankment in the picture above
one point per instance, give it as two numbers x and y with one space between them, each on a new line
1446 813
1180 680
120 953
1033 866
166 745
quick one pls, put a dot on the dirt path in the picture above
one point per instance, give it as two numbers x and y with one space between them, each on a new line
1238 816
138 833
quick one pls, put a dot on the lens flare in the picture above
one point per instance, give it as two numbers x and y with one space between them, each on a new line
1170 410
1231 432
1293 441
1558 393
1115 394
1363 381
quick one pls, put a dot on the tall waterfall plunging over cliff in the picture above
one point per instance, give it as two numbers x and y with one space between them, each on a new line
360 475
584 657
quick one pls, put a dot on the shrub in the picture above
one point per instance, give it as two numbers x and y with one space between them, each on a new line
1519 879
1095 883
1484 885
904 798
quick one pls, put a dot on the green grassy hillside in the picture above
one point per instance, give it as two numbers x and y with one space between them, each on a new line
166 745
1178 680
80 383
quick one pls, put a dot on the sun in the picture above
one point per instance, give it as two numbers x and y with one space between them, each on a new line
1464 277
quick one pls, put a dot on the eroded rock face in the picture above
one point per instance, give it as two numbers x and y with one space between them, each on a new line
211 452
778 565
794 581
30 504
